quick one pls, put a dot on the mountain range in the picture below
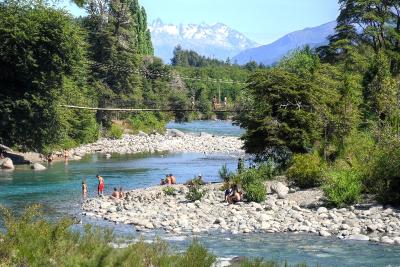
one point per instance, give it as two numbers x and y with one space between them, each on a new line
271 53
215 41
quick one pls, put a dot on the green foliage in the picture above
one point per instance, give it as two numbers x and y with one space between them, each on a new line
307 170
258 262
115 132
147 122
343 187
169 191
31 240
195 192
384 178
225 174
42 54
196 256
252 182
255 191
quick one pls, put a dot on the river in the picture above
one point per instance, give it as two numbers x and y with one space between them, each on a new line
58 190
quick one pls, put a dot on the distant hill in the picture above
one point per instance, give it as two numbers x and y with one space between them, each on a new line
271 53
215 41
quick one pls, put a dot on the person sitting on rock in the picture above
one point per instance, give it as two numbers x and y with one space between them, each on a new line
172 178
235 196
115 193
122 194
228 192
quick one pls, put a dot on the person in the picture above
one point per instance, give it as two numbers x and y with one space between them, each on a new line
66 155
214 102
200 179
100 187
50 158
228 192
122 194
172 178
193 102
84 188
225 101
115 193
235 196
167 180
162 182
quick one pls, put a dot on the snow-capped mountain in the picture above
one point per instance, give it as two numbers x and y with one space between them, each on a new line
273 52
215 41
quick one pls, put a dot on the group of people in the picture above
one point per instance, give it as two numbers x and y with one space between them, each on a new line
169 180
100 186
120 194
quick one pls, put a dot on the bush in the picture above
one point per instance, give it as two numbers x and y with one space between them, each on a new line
267 171
115 132
255 191
252 184
225 174
384 178
169 191
147 122
343 187
307 170
195 193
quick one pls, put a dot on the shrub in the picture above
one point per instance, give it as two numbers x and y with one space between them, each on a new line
147 122
196 256
306 171
384 177
169 191
252 184
115 132
255 191
225 174
343 187
195 193
267 171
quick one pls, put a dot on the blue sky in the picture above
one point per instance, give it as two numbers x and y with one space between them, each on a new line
263 21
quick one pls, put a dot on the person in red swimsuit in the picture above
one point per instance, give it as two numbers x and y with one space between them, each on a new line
100 187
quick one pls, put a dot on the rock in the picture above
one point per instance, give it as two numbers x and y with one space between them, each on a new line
175 133
77 157
387 240
397 240
280 189
358 237
143 134
324 233
38 167
322 210
7 164
108 156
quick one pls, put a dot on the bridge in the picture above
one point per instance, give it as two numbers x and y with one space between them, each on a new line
216 109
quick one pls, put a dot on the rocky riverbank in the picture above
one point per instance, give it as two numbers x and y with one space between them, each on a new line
152 208
172 141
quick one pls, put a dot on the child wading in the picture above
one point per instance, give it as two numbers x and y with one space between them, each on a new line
100 187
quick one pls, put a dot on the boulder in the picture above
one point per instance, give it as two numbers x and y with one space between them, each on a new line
358 237
324 233
142 134
322 210
280 189
7 164
38 167
108 156
175 133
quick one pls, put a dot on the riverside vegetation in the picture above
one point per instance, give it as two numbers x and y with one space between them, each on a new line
30 240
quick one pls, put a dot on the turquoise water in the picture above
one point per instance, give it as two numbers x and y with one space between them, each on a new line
58 189
214 127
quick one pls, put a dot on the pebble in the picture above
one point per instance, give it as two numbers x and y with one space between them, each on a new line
150 208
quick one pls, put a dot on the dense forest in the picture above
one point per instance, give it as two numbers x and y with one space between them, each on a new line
330 117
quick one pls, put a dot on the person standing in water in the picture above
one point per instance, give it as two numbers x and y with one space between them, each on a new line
84 188
100 187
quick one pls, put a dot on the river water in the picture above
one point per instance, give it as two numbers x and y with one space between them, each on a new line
57 189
